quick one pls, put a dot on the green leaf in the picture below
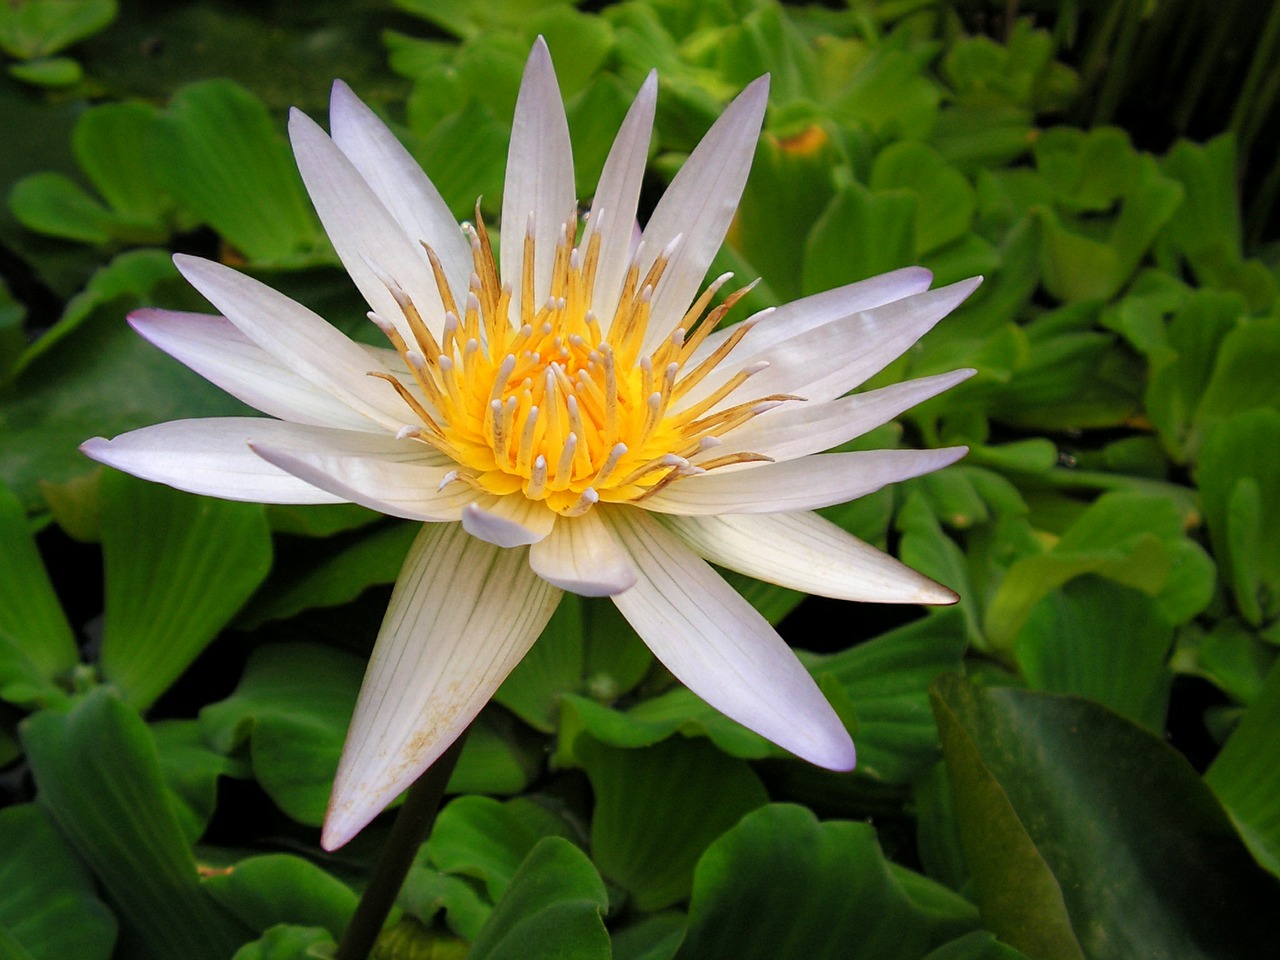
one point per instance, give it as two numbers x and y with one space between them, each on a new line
54 204
1127 537
1089 836
191 770
329 574
551 911
280 888
885 680
482 838
286 942
780 885
553 666
111 143
178 567
657 808
945 202
37 646
860 234
292 704
218 153
1246 775
99 777
1239 478
36 28
48 907
1100 640
48 72
789 187
427 892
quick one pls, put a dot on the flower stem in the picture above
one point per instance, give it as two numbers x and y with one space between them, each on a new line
412 823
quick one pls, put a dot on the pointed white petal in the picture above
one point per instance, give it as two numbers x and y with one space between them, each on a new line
462 615
613 210
699 206
721 648
539 177
803 484
399 183
794 318
827 361
215 349
582 555
364 234
403 481
798 429
807 552
511 521
301 340
212 457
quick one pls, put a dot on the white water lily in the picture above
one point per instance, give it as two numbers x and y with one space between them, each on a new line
560 415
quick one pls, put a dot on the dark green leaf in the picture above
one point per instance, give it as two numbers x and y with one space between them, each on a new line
286 942
99 777
281 888
780 885
48 907
1089 836
551 911
1100 640
657 808
482 838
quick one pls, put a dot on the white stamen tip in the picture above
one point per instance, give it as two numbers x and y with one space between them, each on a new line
447 479
407 431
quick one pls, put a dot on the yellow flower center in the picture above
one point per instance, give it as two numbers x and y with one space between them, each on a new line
551 405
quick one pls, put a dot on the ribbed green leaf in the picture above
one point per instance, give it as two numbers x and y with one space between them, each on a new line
99 777
178 567
36 643
657 808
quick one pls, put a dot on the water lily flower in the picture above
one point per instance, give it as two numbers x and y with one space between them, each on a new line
560 413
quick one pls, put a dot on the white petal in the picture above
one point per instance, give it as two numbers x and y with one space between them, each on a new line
215 349
582 555
794 318
721 648
613 211
399 183
829 360
807 552
212 457
804 484
401 482
312 348
798 429
511 521
364 233
462 615
539 177
699 206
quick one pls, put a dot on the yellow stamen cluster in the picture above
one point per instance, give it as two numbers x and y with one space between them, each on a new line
547 403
